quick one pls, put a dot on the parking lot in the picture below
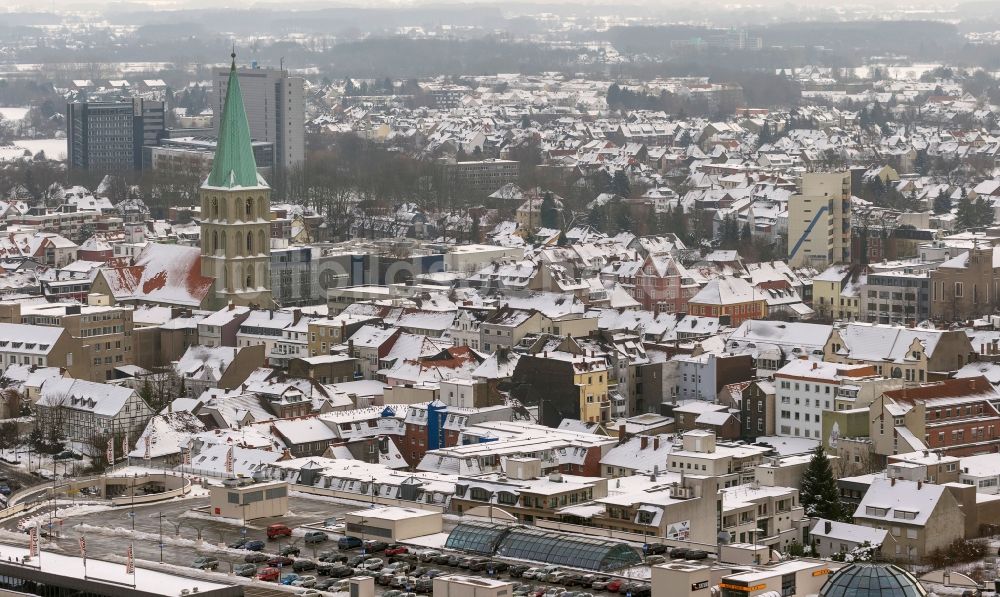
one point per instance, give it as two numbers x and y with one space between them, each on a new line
189 533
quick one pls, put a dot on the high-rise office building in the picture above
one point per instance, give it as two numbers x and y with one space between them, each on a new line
819 220
275 109
109 136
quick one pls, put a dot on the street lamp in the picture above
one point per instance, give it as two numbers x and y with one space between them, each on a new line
160 516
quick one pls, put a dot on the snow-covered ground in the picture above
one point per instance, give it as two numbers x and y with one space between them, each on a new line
13 114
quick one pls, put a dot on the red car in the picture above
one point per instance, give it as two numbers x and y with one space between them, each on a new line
269 574
278 530
395 550
614 585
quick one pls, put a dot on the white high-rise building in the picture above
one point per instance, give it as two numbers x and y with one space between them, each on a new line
275 109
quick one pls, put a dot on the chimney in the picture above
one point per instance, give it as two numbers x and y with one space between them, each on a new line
656 442
827 527
232 306
919 485
656 471
892 481
621 434
643 442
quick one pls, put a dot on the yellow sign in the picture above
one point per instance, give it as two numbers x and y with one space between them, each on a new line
821 572
745 589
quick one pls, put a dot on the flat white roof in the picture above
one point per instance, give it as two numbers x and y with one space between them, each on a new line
150 581
393 513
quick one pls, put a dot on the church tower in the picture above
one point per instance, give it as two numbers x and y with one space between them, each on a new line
235 213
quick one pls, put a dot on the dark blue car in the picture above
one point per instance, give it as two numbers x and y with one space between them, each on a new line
348 543
254 545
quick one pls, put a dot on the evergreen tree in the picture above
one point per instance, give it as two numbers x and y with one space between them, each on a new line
474 229
745 234
818 493
620 184
942 203
598 218
549 212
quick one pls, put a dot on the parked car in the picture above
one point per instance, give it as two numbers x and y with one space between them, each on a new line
340 586
653 560
423 585
245 570
348 543
256 558
205 563
373 565
239 543
531 573
305 581
288 579
268 574
426 555
289 550
517 570
341 571
5 489
642 590
330 555
280 561
308 593
466 562
395 550
278 530
303 565
324 584
697 554
373 545
255 545
315 537
655 549
614 585
679 552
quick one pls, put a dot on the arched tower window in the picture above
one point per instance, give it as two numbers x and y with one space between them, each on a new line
263 208
249 277
261 242
249 209
249 243
215 209
215 241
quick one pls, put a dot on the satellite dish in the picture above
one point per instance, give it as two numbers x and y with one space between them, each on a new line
723 538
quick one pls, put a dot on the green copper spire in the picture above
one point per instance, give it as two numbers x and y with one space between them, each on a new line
234 164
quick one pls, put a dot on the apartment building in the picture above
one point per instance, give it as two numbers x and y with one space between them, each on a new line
910 354
563 385
525 493
819 220
957 417
103 332
765 515
729 298
921 517
729 464
899 296
804 389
